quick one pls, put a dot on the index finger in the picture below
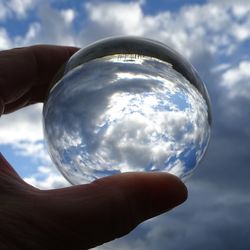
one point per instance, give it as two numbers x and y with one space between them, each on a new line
26 73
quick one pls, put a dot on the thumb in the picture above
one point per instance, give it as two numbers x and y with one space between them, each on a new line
89 215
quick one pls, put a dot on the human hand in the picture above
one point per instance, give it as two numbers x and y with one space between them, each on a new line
77 217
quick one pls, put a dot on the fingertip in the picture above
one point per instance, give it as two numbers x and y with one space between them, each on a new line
149 193
163 192
178 184
180 189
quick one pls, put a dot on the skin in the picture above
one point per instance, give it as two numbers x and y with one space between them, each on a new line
77 217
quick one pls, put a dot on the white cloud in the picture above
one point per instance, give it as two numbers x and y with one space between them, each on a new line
53 26
24 125
241 10
15 8
237 80
22 131
21 7
240 32
220 68
47 178
191 31
4 11
35 150
31 35
68 15
33 31
5 40
125 17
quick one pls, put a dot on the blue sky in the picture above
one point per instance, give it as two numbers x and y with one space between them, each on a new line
215 36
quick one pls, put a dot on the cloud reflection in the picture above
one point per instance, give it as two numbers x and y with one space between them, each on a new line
125 113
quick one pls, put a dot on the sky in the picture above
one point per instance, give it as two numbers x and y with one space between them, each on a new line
215 37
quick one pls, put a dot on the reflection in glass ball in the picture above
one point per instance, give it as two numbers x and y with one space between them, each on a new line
126 104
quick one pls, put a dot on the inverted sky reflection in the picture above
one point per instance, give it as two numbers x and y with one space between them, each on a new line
125 113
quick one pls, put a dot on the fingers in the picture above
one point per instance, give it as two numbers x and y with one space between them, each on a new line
26 73
84 216
95 213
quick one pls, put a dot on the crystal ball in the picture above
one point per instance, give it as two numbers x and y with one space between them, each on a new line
126 104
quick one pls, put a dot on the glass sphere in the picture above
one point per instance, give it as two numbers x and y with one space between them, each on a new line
126 104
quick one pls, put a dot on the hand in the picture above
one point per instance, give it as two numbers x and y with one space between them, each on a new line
77 217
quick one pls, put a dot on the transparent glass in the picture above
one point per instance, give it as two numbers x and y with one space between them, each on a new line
126 104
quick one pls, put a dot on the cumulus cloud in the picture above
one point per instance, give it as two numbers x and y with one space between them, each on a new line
68 15
52 26
5 40
185 30
3 11
114 14
35 150
24 125
16 8
21 7
191 27
47 178
237 80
